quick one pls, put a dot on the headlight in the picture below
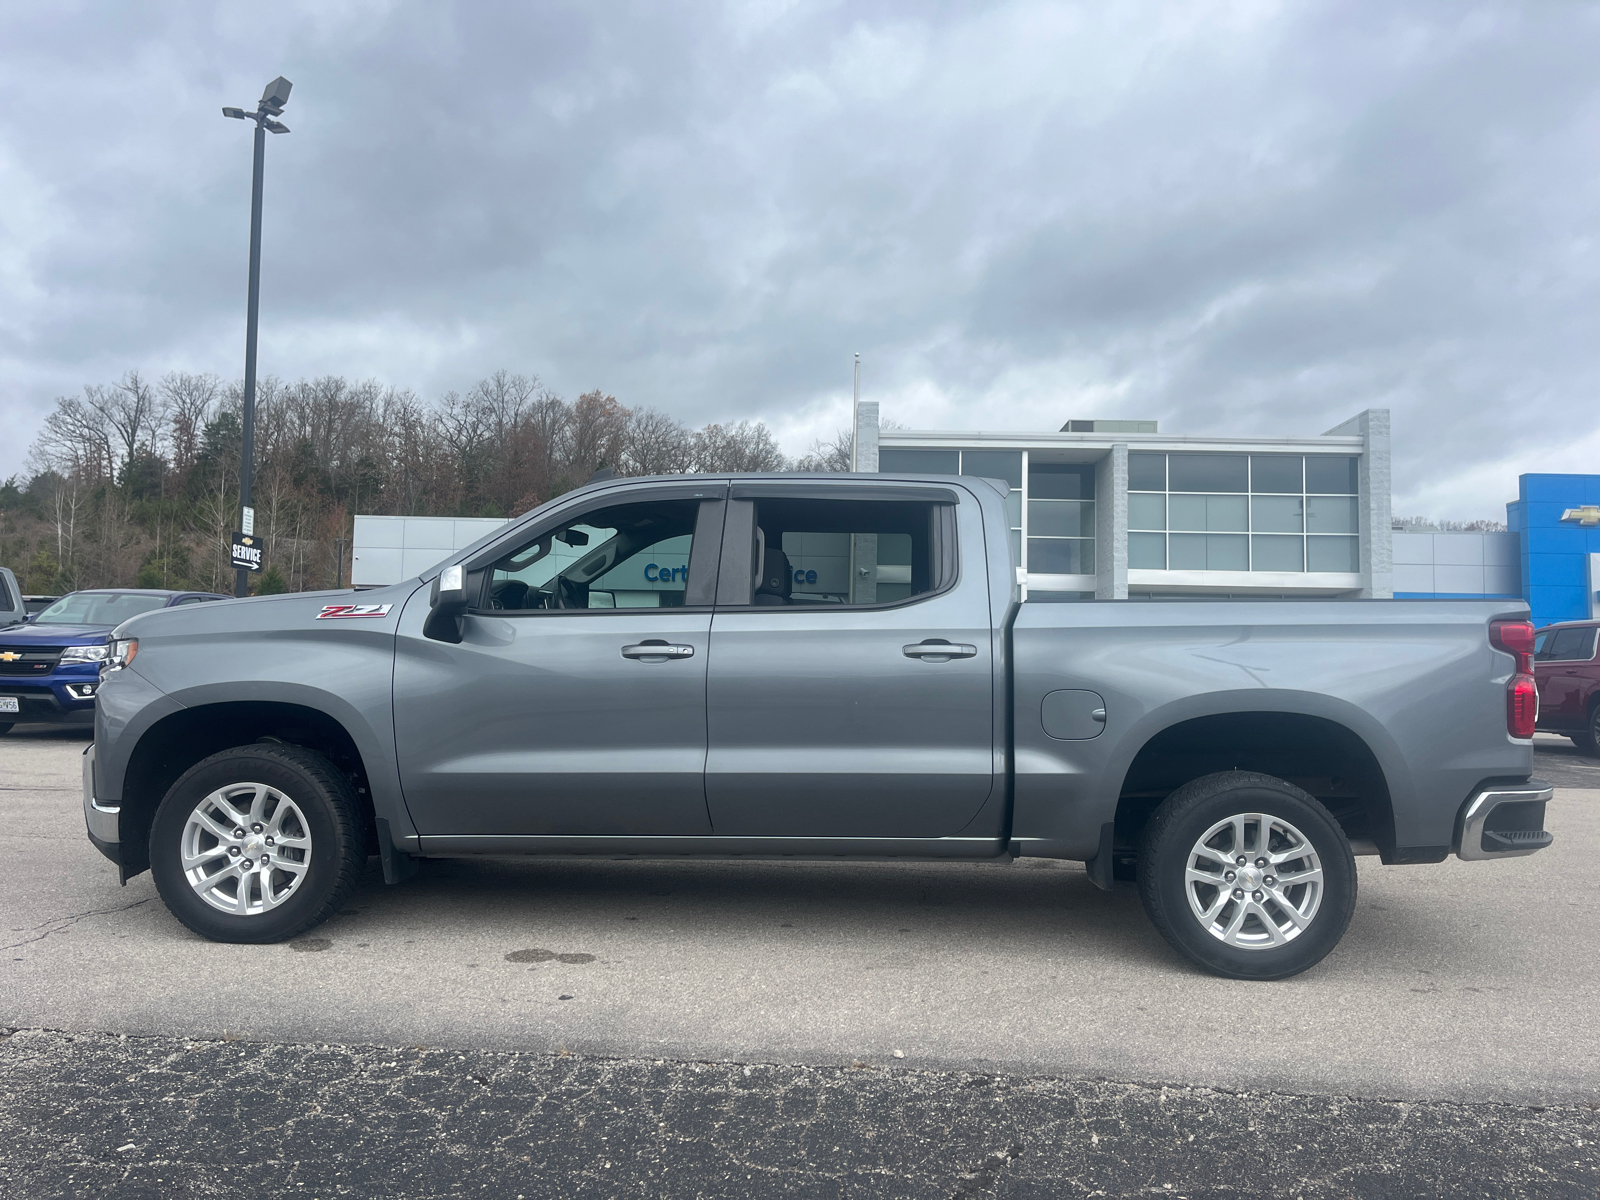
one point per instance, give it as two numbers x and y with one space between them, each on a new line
85 654
119 654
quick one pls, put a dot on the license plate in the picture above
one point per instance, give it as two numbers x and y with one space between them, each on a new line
9 704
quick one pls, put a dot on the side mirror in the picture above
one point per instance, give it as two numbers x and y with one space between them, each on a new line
447 604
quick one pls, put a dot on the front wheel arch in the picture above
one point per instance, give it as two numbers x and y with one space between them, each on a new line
180 740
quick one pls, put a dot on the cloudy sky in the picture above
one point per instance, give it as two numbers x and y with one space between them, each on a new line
1250 218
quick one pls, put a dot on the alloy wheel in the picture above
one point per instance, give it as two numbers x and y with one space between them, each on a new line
245 848
1253 881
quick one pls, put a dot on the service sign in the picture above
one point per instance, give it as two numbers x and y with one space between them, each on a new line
246 552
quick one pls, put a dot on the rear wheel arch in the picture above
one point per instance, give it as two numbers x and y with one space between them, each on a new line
1319 755
180 740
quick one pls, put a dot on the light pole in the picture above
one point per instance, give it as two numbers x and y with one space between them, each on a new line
855 417
270 107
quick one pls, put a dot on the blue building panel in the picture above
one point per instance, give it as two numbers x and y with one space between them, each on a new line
1555 553
1552 604
1556 570
1566 490
1546 527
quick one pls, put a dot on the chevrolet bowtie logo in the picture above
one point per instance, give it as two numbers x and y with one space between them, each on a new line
1589 514
9 656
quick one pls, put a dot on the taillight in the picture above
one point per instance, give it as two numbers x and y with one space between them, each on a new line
1522 706
1522 695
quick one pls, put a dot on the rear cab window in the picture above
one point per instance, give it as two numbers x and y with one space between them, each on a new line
797 551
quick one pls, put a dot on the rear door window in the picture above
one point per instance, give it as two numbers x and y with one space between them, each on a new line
844 553
1566 645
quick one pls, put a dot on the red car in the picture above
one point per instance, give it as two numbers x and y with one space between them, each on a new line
1568 678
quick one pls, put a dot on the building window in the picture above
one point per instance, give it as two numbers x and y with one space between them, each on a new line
1052 518
1197 511
1060 518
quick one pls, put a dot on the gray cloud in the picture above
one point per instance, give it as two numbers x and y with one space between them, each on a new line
1248 218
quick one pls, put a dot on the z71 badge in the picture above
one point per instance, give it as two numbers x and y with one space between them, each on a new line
331 611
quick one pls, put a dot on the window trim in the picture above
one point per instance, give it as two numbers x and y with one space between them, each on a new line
735 589
809 490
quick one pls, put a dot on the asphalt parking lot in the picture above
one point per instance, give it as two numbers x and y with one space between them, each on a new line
1466 984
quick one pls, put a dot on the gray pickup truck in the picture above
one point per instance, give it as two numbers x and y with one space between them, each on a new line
822 666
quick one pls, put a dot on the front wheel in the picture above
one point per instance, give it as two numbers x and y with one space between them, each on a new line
1247 875
257 843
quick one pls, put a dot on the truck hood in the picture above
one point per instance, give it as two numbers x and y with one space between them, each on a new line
295 611
55 635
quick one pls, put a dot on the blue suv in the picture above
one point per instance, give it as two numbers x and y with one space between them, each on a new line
50 665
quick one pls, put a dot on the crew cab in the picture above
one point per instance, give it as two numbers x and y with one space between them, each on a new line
50 666
1568 675
827 666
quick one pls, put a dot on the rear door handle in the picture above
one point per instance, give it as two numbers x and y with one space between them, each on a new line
660 651
939 650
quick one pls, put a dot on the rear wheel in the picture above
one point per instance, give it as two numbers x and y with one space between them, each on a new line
257 843
1588 742
1247 875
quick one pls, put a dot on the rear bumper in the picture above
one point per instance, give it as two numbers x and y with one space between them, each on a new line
1503 821
104 821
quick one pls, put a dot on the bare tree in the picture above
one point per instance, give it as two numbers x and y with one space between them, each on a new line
189 401
595 434
655 444
747 446
827 455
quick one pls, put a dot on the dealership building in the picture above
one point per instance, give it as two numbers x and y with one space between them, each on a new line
1116 509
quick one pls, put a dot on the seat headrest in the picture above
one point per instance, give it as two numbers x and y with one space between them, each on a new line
777 578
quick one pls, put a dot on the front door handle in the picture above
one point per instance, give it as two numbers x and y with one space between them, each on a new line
939 651
657 651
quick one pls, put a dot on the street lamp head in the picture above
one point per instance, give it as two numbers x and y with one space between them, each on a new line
275 126
276 95
237 113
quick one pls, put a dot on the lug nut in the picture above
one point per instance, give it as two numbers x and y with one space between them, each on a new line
239 833
1256 895
1240 860
233 851
1229 876
1261 862
246 864
1270 881
256 828
270 842
1238 893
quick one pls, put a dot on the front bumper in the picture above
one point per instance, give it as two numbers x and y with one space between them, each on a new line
64 697
104 821
1504 821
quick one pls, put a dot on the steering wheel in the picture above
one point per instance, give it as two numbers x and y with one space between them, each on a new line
569 594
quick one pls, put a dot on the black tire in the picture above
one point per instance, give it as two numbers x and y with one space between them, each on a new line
332 819
1588 742
1175 830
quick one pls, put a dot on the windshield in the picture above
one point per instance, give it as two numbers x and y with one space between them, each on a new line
98 608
